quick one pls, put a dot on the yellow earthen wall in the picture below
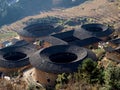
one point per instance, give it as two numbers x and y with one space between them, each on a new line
28 39
47 79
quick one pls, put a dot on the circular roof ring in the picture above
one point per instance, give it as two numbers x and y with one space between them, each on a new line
96 29
60 58
15 57
36 30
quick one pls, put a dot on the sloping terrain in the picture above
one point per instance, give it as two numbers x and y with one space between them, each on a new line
103 11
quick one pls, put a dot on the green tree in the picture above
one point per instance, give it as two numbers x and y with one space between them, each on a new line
91 73
62 80
112 77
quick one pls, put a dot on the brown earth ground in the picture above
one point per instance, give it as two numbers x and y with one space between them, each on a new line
103 10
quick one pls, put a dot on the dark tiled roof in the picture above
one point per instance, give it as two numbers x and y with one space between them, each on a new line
116 41
88 34
96 29
53 40
63 35
5 42
42 59
81 35
72 35
86 42
15 56
20 43
36 30
110 49
117 49
80 38
14 40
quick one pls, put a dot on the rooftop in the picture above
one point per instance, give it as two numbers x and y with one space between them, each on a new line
16 55
60 58
97 29
77 37
116 41
53 40
36 30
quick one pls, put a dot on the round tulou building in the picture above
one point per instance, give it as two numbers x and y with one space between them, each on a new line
16 57
35 31
97 30
54 60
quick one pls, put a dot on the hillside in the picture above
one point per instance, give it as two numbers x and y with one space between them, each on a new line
24 8
99 10
100 75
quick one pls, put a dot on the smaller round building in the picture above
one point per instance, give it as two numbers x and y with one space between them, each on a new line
35 31
97 30
15 57
54 60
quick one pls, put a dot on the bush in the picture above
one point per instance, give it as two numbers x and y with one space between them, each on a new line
112 77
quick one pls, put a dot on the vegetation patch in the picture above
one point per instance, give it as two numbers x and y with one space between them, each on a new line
6 36
90 76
